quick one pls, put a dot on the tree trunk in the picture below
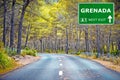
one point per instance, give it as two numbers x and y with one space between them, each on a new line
98 41
78 39
41 45
12 25
86 39
109 41
27 35
4 23
66 50
119 45
20 26
55 39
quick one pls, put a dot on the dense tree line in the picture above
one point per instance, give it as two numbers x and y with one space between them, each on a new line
52 26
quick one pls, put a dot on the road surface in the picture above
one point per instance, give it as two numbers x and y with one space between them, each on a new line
62 67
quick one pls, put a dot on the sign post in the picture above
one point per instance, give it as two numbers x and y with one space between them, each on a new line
96 13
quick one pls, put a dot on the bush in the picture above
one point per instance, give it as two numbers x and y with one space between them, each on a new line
70 51
60 51
94 55
115 52
5 61
83 55
23 53
115 60
34 51
48 51
12 53
94 50
78 53
1 45
29 52
27 48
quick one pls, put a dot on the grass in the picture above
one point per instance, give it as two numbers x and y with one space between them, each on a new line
113 59
8 69
28 51
111 62
6 63
83 55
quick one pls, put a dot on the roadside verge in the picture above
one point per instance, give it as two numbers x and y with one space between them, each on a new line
107 64
20 62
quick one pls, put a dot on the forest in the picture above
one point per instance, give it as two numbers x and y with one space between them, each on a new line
52 26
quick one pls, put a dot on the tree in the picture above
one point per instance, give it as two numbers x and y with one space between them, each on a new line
98 40
27 35
66 49
4 22
25 4
86 39
12 24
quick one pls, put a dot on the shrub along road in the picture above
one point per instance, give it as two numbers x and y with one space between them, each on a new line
62 67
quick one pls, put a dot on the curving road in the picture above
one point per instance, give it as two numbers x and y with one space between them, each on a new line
62 67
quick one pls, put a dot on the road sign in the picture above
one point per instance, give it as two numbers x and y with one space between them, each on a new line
96 13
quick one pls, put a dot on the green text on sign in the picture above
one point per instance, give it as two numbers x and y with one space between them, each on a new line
96 13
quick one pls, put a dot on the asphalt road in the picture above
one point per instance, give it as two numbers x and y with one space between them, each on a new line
62 67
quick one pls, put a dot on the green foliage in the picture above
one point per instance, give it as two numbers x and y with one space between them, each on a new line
94 55
1 45
28 51
5 60
60 51
94 50
78 53
70 51
115 52
24 53
113 59
54 51
27 48
105 49
48 51
116 61
11 52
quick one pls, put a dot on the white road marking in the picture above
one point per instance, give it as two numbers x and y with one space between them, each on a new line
60 60
61 64
60 73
